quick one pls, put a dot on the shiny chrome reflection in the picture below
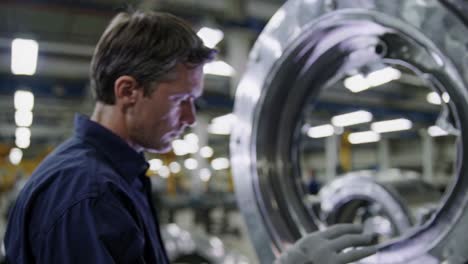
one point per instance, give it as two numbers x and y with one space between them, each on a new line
317 60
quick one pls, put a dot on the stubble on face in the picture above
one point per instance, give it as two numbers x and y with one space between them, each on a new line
165 115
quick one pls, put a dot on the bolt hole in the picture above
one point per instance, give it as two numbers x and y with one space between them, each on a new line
380 49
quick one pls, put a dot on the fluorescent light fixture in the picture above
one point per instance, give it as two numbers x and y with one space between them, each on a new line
191 138
434 98
23 133
392 125
23 142
206 152
24 56
174 167
191 164
164 172
155 164
15 156
356 83
222 125
321 131
363 137
446 97
436 131
205 174
210 36
352 118
191 143
218 129
383 76
23 137
219 68
23 118
220 163
23 100
227 119
359 82
180 147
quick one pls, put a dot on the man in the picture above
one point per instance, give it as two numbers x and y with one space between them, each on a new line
88 201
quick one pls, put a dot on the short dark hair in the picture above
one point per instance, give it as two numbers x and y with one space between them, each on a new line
145 45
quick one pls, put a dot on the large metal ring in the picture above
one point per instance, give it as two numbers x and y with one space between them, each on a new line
308 44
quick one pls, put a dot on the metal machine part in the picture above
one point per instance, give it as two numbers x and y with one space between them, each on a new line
183 246
385 207
309 45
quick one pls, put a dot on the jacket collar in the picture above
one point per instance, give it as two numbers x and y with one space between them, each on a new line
128 162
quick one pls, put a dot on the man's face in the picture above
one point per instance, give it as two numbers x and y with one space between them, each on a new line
162 116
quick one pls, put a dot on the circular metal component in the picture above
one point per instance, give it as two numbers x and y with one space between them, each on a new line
344 197
384 202
307 46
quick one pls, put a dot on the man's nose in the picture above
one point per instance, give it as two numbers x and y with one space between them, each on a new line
189 113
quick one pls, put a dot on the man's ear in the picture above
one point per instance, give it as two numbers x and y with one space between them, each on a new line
126 90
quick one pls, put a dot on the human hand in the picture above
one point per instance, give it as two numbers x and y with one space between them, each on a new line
326 247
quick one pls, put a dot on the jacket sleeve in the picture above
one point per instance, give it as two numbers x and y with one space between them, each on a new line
94 230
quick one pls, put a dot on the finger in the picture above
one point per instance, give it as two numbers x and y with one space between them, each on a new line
341 229
356 254
347 241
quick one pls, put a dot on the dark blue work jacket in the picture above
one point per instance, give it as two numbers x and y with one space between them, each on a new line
87 202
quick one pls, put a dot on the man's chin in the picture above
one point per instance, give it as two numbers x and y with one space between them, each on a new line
160 149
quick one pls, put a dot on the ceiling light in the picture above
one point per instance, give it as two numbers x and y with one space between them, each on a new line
23 132
356 83
164 172
217 129
23 118
191 164
15 156
383 76
363 137
352 118
23 142
220 163
446 97
359 82
210 36
191 138
205 174
434 98
206 152
24 56
219 68
191 141
321 131
174 167
23 100
391 125
155 164
436 131
222 125
180 147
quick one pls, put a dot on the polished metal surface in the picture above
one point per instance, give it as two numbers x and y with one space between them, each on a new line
307 47
388 206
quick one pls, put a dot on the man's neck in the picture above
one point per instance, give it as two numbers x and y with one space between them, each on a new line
110 117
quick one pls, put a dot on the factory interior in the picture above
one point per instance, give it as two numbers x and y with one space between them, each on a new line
314 113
